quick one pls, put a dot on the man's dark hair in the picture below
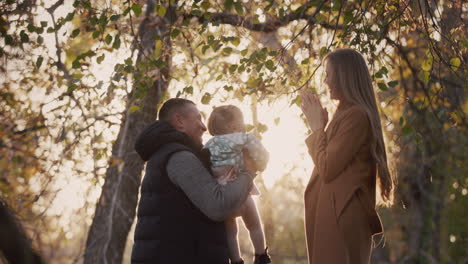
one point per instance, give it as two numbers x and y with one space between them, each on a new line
171 106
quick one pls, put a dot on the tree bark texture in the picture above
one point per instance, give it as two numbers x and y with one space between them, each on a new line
115 210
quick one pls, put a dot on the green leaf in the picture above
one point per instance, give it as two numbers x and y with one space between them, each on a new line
71 88
348 16
160 10
40 40
382 86
227 50
281 13
392 83
205 5
137 9
336 6
219 77
323 52
96 34
268 7
39 30
160 63
78 75
253 83
70 16
232 68
211 39
235 42
175 33
158 48
228 88
108 39
426 76
76 64
270 65
384 70
262 128
455 63
114 17
126 11
297 101
196 12
188 89
228 4
204 49
239 8
8 40
259 66
39 61
406 130
244 52
24 36
277 120
31 28
206 99
100 58
305 61
133 109
75 33
116 44
427 64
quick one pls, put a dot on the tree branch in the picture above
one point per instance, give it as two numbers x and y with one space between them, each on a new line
52 9
268 26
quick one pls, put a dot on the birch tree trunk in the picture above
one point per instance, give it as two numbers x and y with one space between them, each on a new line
115 211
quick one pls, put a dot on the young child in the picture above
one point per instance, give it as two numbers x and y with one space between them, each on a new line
229 142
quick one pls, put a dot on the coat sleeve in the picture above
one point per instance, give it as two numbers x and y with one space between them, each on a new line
216 201
331 158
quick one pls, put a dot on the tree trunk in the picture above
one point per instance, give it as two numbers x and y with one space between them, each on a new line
115 210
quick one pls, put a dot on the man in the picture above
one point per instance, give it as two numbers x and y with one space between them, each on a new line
182 208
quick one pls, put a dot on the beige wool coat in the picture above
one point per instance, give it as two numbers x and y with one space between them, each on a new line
340 216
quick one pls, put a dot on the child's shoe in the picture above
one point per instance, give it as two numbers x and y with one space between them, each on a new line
238 262
262 258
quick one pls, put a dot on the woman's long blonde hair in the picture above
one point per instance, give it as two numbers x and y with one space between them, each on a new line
352 80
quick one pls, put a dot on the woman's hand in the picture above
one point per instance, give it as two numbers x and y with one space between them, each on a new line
316 115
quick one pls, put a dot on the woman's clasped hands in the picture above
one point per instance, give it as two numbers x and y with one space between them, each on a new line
316 115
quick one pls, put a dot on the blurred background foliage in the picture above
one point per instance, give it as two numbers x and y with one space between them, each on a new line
80 79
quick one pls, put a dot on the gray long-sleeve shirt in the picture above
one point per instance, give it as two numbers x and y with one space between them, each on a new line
216 201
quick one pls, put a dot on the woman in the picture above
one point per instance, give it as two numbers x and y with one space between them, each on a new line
349 158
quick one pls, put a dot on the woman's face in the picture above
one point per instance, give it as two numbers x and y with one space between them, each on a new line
330 81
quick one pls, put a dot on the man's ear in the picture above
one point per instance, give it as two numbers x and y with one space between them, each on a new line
177 121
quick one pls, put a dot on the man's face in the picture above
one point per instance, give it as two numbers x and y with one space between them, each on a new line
190 122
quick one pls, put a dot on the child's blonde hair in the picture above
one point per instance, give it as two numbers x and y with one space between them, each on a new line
223 118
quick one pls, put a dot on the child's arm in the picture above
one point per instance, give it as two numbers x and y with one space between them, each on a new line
257 152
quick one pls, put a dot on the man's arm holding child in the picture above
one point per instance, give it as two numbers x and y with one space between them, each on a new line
216 201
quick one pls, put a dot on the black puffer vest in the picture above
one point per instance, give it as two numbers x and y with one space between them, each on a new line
170 229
